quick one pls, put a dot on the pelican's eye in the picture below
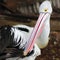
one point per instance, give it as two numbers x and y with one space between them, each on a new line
46 10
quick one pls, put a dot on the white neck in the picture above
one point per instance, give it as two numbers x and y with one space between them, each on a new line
44 38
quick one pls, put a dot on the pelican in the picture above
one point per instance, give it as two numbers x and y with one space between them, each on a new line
23 32
43 39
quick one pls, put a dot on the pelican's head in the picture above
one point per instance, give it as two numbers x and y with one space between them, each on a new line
45 10
45 7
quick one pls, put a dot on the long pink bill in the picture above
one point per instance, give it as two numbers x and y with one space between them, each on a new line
36 31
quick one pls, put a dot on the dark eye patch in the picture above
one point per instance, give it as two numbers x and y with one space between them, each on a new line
23 29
